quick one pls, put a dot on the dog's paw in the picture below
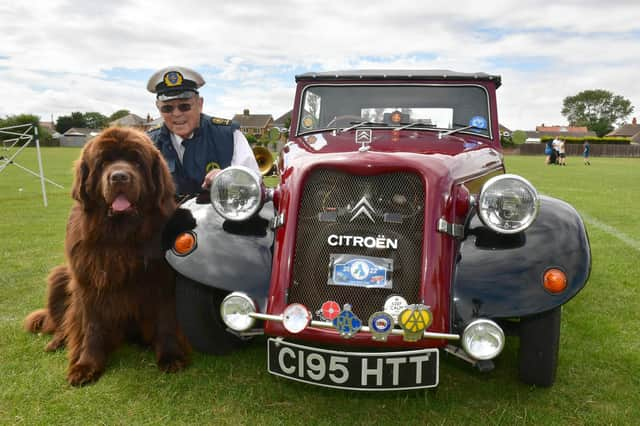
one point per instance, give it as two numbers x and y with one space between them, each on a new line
82 374
56 343
171 363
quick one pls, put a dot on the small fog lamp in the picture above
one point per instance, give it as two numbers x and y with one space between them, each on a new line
296 317
483 339
237 193
235 310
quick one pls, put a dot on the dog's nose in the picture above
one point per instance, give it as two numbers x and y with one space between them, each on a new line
119 176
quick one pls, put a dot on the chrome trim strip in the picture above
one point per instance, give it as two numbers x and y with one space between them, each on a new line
326 324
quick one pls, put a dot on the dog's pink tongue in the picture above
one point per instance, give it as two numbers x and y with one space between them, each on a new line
120 204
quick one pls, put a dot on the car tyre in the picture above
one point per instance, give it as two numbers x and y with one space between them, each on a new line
198 311
539 346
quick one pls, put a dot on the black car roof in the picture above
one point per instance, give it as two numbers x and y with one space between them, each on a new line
399 75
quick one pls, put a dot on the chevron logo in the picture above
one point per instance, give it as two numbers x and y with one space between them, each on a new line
362 207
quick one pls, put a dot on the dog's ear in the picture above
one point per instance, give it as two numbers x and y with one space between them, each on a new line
164 186
79 190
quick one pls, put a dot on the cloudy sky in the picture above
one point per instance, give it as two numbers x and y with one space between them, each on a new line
61 56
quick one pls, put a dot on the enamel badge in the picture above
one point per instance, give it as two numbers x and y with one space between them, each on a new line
414 321
380 325
347 323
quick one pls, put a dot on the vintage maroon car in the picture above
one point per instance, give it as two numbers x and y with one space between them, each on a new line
394 234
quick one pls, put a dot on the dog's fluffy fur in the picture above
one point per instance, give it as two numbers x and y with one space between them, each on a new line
116 285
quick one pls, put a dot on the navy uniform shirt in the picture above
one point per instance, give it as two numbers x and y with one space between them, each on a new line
210 147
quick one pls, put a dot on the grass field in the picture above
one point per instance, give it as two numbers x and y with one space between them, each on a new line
598 379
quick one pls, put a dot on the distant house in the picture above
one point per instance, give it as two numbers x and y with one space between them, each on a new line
557 131
284 121
254 124
76 136
131 120
628 131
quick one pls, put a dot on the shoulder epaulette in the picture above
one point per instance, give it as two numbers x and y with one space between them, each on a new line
220 121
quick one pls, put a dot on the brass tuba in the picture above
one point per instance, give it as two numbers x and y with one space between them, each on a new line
264 159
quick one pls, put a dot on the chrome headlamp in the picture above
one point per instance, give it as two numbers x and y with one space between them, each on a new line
235 310
237 193
508 204
483 339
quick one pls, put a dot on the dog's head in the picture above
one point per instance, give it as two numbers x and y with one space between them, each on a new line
121 173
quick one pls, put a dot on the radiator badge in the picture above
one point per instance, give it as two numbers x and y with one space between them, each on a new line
329 310
363 207
414 321
380 325
347 323
379 242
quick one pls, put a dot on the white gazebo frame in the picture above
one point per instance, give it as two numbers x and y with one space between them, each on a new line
24 135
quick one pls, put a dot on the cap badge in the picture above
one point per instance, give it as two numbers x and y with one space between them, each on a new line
173 78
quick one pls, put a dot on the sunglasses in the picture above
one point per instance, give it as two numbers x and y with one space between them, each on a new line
168 109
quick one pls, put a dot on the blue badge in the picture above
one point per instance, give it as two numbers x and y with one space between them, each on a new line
347 323
361 272
478 122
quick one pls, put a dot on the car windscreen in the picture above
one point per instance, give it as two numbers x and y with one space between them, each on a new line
442 107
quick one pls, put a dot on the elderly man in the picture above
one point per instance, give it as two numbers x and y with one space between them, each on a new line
195 145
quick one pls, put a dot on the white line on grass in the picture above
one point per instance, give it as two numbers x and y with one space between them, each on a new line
611 231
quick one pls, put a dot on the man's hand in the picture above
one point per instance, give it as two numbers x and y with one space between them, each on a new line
209 178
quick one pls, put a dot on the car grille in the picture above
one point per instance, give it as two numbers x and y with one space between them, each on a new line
327 207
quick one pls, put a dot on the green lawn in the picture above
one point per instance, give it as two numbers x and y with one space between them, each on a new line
598 379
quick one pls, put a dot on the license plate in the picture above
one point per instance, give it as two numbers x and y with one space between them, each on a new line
360 271
367 371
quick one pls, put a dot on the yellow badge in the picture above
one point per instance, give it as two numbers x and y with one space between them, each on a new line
414 321
212 166
172 79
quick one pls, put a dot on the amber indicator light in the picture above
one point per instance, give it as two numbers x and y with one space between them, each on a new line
185 243
555 281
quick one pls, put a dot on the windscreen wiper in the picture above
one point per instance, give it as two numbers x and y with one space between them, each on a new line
415 123
363 123
452 131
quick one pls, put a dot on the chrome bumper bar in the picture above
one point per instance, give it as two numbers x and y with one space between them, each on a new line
327 324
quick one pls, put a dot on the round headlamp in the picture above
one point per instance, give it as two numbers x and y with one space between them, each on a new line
483 339
295 318
235 310
508 204
237 193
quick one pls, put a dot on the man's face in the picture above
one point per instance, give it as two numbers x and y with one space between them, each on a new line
177 118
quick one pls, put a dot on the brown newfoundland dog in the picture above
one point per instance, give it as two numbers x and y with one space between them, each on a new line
116 285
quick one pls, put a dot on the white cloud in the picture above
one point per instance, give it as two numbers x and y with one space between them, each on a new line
59 56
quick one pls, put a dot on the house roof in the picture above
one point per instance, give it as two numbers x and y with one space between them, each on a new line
259 121
626 130
130 120
537 134
280 121
81 131
562 129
